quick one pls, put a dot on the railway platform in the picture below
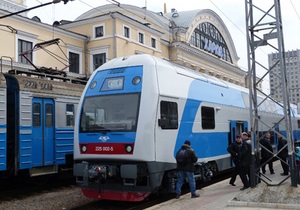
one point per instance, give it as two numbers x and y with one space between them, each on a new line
224 196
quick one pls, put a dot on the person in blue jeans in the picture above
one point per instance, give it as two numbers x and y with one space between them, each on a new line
185 158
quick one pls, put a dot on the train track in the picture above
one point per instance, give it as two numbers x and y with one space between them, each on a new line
149 202
65 194
17 188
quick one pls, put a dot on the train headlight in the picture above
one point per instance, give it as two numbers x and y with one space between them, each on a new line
83 148
136 80
93 85
128 148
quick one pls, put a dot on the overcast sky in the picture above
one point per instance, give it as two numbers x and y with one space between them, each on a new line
232 12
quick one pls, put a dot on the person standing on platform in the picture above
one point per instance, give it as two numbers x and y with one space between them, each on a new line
297 157
245 161
283 154
266 153
235 149
185 158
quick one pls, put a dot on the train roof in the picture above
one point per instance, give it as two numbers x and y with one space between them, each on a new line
131 60
143 59
47 84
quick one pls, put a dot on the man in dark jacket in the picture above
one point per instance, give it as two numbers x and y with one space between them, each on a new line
185 158
245 161
235 150
283 154
266 153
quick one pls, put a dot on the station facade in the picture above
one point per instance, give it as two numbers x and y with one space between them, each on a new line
198 39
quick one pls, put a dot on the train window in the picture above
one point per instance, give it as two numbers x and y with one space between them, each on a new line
168 115
116 113
70 115
298 123
208 117
49 115
245 97
36 114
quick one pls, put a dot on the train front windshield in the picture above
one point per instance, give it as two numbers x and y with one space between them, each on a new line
107 113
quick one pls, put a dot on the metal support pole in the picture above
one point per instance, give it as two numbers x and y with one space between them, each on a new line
267 26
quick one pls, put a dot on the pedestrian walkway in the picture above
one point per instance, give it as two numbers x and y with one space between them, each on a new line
224 196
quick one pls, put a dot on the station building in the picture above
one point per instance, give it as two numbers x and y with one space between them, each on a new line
292 74
198 39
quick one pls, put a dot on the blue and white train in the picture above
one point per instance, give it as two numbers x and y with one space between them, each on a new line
136 112
37 114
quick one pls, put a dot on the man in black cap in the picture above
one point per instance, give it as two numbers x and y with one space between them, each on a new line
235 150
185 158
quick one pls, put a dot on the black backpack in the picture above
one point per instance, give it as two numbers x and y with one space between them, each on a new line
182 157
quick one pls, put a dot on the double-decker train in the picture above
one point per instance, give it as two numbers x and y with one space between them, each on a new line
37 112
136 112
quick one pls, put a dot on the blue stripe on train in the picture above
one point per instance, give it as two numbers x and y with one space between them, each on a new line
212 143
206 144
3 148
114 137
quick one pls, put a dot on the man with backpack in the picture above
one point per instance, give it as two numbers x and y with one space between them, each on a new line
185 158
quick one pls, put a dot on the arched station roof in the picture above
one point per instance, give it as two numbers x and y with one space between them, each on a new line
187 21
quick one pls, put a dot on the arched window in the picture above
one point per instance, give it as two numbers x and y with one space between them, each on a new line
207 37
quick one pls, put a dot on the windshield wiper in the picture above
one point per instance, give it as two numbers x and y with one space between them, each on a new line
98 128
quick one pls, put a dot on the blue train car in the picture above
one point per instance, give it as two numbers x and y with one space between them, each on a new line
37 123
3 124
136 112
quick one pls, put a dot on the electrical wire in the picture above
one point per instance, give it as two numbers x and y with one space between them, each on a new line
295 9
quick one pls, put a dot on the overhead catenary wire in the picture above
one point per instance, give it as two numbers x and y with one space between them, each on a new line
295 9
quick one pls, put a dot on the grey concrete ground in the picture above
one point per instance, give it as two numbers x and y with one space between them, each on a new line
226 197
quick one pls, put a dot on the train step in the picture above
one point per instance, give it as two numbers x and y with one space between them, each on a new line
43 170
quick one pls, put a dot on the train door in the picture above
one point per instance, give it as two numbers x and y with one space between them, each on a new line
42 132
168 124
236 128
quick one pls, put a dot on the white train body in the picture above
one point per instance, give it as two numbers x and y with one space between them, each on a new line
136 112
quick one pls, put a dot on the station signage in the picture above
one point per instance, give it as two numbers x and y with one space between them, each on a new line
207 37
213 48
